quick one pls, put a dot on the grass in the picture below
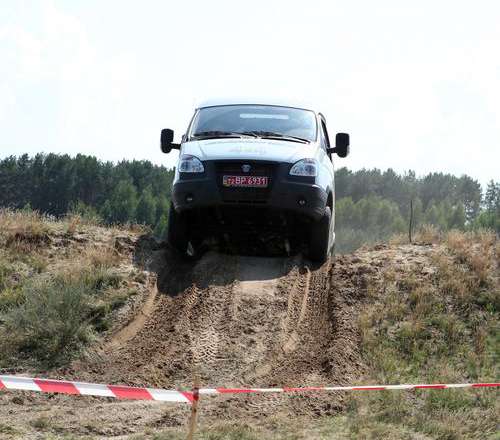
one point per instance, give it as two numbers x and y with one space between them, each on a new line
52 317
55 294
24 231
439 328
41 423
427 234
7 430
226 431
51 322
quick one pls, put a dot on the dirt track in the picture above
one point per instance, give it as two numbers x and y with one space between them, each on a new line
228 321
240 321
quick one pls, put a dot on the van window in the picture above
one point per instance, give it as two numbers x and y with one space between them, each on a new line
284 121
325 140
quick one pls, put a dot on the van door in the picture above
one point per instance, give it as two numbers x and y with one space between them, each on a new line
326 174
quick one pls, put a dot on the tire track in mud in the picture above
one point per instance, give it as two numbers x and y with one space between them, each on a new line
244 321
137 322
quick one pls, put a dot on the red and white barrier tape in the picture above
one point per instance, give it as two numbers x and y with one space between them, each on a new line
136 393
345 388
93 389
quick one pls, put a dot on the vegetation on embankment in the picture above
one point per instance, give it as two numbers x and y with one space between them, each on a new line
438 326
371 204
60 281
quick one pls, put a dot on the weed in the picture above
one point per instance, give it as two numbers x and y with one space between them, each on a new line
476 250
48 317
398 239
23 230
6 270
7 429
73 223
165 435
424 301
50 323
102 257
41 423
427 234
232 432
11 297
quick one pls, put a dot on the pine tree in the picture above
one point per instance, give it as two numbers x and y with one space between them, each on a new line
457 217
122 204
492 197
146 208
160 230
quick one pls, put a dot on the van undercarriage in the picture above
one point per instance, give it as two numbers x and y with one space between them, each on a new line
247 229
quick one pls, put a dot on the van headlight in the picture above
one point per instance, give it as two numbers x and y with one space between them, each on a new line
305 167
190 164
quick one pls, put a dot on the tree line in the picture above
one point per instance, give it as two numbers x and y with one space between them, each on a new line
371 204
126 192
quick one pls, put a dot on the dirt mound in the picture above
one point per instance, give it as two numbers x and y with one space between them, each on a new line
228 321
243 321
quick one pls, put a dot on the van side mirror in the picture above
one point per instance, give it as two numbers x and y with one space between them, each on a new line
167 141
341 145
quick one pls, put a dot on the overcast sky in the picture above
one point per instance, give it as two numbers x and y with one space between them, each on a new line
416 84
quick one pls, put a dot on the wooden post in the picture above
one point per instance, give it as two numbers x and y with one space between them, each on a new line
194 411
411 221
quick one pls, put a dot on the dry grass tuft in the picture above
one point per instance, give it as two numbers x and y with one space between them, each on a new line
398 239
428 234
24 230
101 257
454 280
477 250
73 222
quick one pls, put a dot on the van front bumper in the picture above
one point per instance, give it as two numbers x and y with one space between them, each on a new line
284 192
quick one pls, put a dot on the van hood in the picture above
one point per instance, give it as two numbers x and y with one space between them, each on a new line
249 149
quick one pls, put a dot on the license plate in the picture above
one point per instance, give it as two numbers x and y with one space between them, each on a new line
245 181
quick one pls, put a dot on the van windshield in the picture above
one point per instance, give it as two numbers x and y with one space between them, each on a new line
256 121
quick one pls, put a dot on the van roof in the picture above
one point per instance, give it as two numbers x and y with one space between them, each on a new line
249 101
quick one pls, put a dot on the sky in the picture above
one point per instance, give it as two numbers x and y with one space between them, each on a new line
416 84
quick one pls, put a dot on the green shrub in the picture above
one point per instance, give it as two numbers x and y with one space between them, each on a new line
10 297
5 271
88 214
49 319
50 324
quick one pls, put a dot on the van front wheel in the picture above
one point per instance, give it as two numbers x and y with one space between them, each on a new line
320 238
177 233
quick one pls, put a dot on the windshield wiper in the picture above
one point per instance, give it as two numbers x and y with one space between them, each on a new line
273 135
214 134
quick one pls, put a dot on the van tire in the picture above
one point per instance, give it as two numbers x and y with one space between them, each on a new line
177 232
320 238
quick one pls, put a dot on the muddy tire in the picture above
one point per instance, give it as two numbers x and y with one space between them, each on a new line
177 232
320 240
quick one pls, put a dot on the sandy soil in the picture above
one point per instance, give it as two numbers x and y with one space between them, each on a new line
223 321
